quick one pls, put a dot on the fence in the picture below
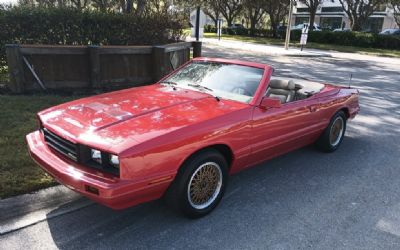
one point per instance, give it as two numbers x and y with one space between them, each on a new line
34 67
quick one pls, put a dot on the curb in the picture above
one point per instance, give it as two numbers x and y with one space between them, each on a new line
28 209
315 55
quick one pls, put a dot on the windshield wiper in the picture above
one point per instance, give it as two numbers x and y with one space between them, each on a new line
170 83
198 86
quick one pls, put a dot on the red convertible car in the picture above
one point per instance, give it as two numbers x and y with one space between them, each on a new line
182 137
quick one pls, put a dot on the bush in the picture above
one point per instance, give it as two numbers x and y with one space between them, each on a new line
262 32
210 28
71 27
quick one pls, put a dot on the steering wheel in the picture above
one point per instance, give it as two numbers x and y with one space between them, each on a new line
241 91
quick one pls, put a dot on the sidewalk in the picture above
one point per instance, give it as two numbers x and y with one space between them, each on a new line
28 209
271 50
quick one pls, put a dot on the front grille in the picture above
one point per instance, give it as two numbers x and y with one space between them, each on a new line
77 152
60 144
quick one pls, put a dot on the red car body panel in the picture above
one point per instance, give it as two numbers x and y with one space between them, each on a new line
154 129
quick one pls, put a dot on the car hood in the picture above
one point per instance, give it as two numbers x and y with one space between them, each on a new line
131 116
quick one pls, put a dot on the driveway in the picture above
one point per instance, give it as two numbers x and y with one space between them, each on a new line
349 199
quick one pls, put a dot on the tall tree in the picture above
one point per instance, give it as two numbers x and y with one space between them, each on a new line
277 11
104 5
157 6
211 9
253 10
230 9
358 11
396 9
30 3
62 3
312 6
46 3
80 4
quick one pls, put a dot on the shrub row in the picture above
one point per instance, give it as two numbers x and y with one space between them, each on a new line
68 26
239 31
358 39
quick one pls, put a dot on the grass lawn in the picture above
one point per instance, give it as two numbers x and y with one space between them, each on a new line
18 173
340 48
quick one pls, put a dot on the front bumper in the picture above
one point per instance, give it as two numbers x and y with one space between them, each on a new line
101 187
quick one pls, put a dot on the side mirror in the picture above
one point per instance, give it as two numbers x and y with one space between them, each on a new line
268 102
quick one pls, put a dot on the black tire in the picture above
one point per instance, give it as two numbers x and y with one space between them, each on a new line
177 195
324 142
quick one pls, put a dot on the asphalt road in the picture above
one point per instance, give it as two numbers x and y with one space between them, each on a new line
349 199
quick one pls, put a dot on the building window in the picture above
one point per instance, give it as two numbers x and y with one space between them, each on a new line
331 23
302 10
331 9
373 24
301 20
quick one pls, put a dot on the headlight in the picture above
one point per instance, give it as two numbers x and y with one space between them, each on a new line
114 161
96 155
104 159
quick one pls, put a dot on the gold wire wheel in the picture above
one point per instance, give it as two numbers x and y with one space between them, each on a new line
336 132
205 185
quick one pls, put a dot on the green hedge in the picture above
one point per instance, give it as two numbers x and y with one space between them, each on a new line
72 27
241 31
357 39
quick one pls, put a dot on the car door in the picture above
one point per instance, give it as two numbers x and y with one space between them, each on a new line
278 130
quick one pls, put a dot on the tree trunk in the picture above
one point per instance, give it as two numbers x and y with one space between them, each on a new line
253 22
274 25
141 5
103 7
312 19
129 6
356 25
229 21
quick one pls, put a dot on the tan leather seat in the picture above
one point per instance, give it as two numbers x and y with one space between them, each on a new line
281 89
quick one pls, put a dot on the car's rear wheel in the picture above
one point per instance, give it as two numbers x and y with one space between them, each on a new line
333 135
199 184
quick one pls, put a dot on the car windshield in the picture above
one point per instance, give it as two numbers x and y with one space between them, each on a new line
227 81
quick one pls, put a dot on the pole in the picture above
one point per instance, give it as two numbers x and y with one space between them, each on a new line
197 23
219 27
287 41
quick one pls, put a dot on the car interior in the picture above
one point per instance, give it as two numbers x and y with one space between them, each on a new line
284 89
290 89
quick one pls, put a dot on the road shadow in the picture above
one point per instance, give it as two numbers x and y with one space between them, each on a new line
254 198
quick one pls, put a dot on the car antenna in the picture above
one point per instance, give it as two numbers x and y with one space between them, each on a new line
351 77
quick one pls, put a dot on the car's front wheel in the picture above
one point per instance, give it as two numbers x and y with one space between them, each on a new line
333 135
199 184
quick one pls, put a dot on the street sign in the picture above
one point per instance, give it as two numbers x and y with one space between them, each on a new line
202 20
197 16
303 39
305 29
304 36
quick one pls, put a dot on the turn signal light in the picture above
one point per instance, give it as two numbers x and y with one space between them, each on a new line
92 190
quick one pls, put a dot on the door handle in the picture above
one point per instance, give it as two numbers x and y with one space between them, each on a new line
313 108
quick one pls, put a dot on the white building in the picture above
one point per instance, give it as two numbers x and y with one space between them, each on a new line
330 15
